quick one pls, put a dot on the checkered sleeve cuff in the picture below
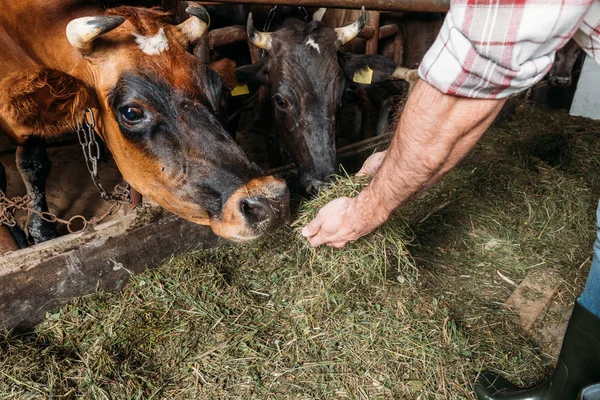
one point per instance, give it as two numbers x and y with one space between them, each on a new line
491 50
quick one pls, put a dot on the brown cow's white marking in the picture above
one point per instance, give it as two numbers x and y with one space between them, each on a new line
311 43
152 45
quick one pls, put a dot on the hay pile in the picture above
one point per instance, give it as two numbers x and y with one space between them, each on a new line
412 311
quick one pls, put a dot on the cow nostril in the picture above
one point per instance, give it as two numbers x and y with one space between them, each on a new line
560 81
313 186
256 210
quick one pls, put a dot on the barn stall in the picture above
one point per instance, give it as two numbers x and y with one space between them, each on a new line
416 309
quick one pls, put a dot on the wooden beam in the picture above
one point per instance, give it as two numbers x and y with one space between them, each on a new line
379 5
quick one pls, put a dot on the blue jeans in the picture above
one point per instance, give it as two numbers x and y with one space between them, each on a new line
590 298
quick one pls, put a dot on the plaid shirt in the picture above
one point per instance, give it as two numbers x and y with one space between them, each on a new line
494 48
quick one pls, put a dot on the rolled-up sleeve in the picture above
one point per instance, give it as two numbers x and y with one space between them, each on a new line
492 49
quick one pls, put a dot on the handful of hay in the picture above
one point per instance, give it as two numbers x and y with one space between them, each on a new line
381 255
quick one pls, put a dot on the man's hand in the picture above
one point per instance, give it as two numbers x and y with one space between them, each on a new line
338 223
372 164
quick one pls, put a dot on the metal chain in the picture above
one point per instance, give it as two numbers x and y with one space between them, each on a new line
86 133
270 17
9 205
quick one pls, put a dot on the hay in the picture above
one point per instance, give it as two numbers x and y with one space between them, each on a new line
411 311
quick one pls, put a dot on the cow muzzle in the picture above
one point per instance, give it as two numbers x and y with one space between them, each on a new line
560 81
312 183
257 208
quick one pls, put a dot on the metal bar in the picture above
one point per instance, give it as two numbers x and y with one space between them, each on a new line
388 30
379 5
368 145
399 49
373 21
227 35
367 32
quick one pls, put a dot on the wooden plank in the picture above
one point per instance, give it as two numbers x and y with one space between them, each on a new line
52 275
532 296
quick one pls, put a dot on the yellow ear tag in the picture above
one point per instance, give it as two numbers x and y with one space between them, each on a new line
240 90
364 75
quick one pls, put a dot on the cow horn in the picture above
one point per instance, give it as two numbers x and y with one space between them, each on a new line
259 39
318 15
197 25
349 32
409 75
81 32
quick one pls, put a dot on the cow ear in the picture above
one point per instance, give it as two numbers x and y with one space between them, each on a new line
226 69
45 102
253 74
366 69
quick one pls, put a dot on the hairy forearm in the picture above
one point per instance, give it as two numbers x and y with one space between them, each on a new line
435 132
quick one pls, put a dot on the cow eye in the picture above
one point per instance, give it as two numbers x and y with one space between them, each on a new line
280 101
132 114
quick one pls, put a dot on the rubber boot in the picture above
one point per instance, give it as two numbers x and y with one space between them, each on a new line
591 392
578 366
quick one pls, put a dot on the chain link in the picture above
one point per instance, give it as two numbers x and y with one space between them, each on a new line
86 133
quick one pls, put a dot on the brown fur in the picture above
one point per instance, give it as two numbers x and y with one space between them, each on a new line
45 101
146 21
226 69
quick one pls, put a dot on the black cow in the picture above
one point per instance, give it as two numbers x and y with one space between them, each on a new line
306 76
560 75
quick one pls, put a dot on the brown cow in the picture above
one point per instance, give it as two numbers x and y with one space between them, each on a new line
159 109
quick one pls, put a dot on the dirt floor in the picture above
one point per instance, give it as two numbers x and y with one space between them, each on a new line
413 311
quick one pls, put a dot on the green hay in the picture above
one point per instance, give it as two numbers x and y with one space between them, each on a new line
411 311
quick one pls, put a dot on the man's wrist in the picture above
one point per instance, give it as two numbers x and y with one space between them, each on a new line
370 208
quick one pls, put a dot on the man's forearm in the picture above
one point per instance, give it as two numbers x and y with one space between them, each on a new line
435 132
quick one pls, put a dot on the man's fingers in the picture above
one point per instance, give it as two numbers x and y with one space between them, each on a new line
372 164
313 227
316 241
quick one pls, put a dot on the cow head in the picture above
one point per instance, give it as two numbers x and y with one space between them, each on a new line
560 75
306 77
160 112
